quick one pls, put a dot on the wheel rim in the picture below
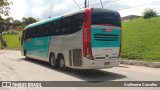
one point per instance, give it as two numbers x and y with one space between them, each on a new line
61 63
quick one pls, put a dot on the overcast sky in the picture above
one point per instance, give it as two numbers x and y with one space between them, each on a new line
42 9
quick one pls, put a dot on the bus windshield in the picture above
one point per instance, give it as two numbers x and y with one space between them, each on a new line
105 17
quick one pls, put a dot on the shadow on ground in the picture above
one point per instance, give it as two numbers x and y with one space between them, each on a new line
86 75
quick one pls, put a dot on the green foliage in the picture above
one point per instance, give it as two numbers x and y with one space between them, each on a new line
9 20
4 7
1 21
11 32
10 23
16 23
148 13
141 39
12 41
28 20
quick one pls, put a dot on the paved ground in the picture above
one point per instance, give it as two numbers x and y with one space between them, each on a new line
13 67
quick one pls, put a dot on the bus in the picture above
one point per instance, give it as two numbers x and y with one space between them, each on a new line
87 39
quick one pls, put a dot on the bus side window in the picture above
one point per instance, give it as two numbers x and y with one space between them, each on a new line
45 29
66 26
57 27
28 33
54 28
40 31
34 33
77 22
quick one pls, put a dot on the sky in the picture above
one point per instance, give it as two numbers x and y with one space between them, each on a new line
43 9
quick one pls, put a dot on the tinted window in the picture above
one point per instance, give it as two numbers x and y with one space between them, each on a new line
77 22
54 28
104 16
28 33
45 29
66 25
71 24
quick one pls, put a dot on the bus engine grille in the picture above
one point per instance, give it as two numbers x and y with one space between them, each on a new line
106 37
75 56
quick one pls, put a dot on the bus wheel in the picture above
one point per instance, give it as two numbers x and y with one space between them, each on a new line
61 63
52 61
25 52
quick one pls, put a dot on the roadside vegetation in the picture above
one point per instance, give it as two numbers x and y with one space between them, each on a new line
148 13
141 39
12 41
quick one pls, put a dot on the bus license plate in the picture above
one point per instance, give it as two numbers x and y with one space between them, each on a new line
106 63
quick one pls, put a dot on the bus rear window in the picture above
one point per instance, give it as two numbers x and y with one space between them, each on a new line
105 17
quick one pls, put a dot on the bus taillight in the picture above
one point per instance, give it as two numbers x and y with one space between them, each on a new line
89 52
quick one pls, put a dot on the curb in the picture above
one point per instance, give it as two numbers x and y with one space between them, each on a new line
141 63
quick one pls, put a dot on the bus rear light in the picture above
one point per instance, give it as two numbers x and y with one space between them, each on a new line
89 52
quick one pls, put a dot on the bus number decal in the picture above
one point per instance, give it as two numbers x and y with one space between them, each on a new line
85 34
38 42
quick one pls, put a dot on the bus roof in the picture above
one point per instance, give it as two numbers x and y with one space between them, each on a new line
58 18
43 22
51 19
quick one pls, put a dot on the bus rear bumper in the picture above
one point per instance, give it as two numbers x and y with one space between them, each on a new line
100 64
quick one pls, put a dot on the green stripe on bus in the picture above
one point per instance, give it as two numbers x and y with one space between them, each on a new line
37 46
43 22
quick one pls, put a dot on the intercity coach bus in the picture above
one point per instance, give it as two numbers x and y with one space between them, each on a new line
86 39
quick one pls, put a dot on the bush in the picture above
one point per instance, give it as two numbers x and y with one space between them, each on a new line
148 13
11 32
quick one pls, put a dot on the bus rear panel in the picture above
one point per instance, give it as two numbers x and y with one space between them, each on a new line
103 40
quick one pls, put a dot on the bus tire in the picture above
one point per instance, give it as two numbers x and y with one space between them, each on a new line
61 63
25 54
53 61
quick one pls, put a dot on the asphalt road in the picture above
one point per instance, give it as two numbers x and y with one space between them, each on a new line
14 67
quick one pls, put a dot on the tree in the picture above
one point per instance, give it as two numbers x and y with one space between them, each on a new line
4 7
1 21
148 13
4 10
16 23
29 20
9 20
2 28
24 19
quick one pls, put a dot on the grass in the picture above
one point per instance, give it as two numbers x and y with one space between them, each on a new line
141 39
12 41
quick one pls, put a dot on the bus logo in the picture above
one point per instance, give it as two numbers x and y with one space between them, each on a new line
108 30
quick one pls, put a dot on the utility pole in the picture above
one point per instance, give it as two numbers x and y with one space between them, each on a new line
85 4
88 3
101 3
